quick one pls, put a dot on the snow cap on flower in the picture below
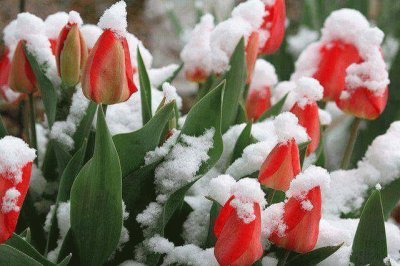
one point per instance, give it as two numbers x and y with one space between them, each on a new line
9 37
9 201
264 75
312 177
91 34
74 18
220 188
307 90
250 11
14 155
114 19
272 220
133 44
170 94
287 127
28 24
246 192
54 23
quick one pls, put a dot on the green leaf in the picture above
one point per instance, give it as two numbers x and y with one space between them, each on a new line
313 257
20 244
242 142
64 190
390 197
12 257
26 234
83 130
274 110
235 82
132 147
214 211
302 151
145 89
3 130
65 261
96 200
49 166
172 77
369 245
46 88
204 115
62 155
68 247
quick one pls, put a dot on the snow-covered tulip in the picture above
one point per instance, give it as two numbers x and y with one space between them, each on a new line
251 54
21 78
238 225
259 98
298 228
281 166
307 92
108 73
15 170
71 51
336 57
272 29
53 26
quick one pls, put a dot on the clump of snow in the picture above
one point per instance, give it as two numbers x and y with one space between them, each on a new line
196 226
287 127
246 192
158 76
298 42
114 19
74 18
162 151
14 155
9 201
187 254
183 161
221 187
37 183
63 131
269 261
246 18
9 37
312 177
133 44
149 217
325 117
307 205
308 61
196 55
307 90
171 95
272 220
280 90
54 24
91 34
264 75
28 24
378 186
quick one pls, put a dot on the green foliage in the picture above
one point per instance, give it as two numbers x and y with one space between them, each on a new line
145 89
242 142
274 110
3 130
313 257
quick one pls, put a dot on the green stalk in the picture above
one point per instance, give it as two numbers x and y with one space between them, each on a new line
32 122
282 262
270 196
355 125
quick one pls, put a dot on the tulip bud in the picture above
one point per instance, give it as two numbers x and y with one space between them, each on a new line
273 28
108 72
363 103
5 66
238 242
281 166
15 170
71 52
251 54
21 78
257 102
335 58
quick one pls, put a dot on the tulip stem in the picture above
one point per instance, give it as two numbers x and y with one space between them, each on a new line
355 125
32 116
282 261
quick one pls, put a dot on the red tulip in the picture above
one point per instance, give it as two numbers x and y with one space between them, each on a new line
71 54
301 217
53 46
108 73
257 102
363 103
336 57
21 78
281 166
273 26
309 118
251 54
5 66
238 243
197 75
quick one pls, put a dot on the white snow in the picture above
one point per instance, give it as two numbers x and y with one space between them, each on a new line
37 183
196 226
246 192
307 90
298 42
91 34
9 201
162 151
272 220
183 161
14 155
171 95
287 127
325 117
196 55
158 76
220 188
74 18
54 24
133 44
312 177
114 19
9 37
264 75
